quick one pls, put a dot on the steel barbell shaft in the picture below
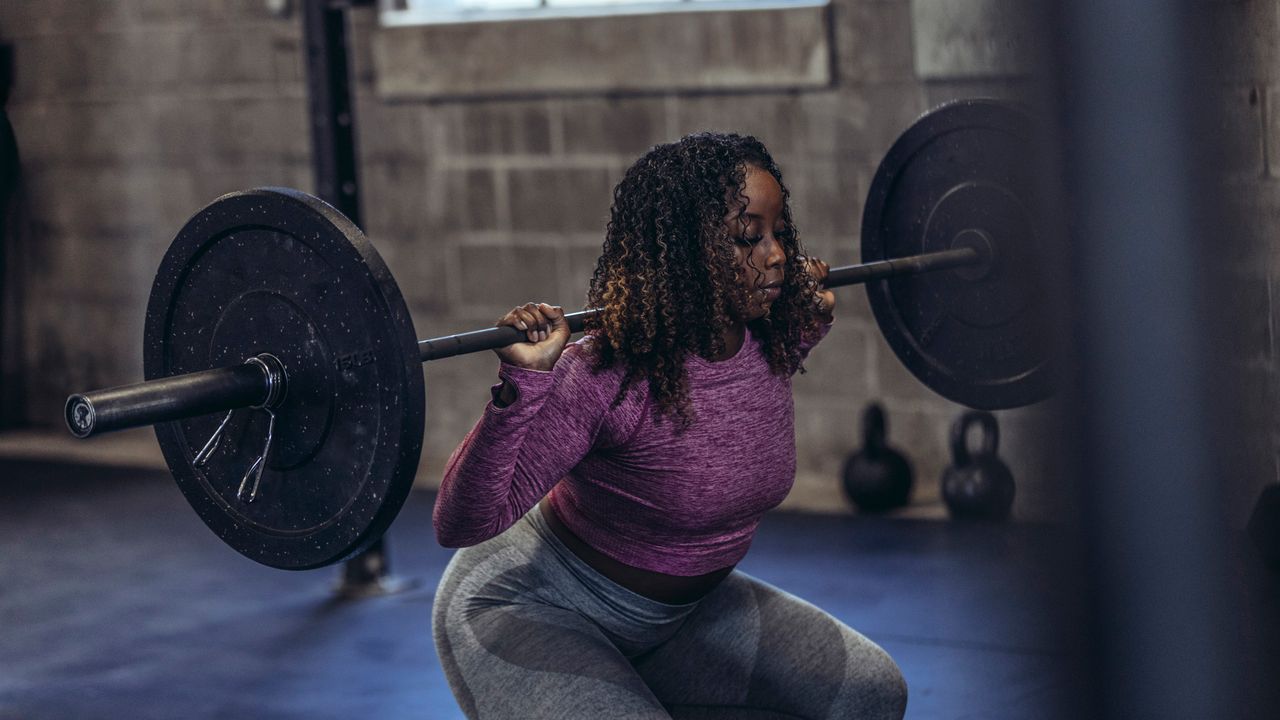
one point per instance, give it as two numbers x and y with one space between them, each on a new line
256 383
908 265
497 337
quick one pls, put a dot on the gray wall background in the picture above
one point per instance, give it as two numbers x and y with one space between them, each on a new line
132 114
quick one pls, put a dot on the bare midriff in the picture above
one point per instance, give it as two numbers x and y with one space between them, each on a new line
670 589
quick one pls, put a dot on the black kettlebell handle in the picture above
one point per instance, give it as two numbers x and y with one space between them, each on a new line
874 427
960 454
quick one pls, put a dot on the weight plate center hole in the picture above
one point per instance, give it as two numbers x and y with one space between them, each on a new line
981 242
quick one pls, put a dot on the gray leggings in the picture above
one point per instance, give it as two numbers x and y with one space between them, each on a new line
525 629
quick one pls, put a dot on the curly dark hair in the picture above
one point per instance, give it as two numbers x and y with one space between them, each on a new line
667 280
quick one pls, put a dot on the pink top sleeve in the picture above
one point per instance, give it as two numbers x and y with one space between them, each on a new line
808 342
515 454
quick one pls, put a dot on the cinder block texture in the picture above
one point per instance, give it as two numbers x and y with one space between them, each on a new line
1239 137
462 200
24 19
130 116
49 67
395 197
564 199
1249 337
494 278
1245 38
827 201
874 41
496 129
1271 130
187 11
394 132
841 365
578 262
971 38
1245 240
623 126
869 121
774 118
457 391
229 55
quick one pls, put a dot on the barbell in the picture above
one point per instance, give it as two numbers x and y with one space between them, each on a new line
283 369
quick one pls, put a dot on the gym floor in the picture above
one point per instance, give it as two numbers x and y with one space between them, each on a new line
117 602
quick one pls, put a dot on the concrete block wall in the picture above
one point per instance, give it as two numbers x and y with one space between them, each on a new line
129 117
1245 90
133 114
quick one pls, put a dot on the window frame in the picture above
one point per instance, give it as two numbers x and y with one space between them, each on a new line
718 49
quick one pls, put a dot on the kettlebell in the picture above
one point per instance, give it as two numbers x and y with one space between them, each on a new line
877 477
977 485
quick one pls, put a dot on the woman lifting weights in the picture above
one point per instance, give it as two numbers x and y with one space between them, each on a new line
605 496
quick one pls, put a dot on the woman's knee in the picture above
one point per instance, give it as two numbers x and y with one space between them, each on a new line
876 688
858 680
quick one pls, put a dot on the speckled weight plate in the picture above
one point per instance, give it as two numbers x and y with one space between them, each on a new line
962 175
277 271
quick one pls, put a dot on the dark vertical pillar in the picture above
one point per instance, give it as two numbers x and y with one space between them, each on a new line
1147 347
333 153
333 144
11 398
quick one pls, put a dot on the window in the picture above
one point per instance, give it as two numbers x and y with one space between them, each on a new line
458 48
420 12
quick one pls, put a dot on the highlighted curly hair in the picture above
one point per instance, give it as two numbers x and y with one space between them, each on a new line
667 279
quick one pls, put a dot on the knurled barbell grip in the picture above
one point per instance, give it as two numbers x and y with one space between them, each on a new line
171 398
487 339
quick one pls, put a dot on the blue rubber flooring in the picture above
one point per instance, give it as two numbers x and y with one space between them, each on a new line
116 602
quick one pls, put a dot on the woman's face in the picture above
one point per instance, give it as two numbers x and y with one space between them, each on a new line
761 260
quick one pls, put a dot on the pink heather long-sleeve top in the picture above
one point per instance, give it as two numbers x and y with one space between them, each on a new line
624 481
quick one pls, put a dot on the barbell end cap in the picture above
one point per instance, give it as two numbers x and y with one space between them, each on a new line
80 416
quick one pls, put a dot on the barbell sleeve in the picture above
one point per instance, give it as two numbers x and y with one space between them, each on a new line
249 384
